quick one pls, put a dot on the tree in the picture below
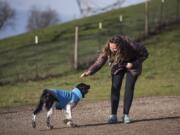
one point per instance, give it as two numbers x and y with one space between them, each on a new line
41 19
7 13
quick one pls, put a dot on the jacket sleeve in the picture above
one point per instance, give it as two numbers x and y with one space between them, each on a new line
141 52
100 61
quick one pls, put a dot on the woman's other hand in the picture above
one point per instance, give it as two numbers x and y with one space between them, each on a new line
129 65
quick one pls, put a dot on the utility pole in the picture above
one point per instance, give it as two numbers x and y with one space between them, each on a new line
90 7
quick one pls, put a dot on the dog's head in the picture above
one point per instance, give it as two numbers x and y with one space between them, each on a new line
83 88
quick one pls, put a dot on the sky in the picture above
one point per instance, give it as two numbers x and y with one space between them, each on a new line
67 10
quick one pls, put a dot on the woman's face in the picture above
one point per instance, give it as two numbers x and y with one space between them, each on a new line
113 47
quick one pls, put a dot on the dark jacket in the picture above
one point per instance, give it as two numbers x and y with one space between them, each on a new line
135 54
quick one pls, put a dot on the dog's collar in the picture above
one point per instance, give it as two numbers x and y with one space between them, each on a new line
77 92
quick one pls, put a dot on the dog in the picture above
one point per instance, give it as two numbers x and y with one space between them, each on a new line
51 99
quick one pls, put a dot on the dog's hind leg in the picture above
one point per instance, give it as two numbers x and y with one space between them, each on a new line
48 121
41 102
38 108
49 115
34 121
36 111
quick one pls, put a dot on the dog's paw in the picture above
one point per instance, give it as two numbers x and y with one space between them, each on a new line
66 121
33 124
50 126
71 124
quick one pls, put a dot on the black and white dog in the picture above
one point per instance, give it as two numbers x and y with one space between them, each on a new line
60 99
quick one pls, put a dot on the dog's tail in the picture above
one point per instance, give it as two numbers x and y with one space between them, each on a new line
41 102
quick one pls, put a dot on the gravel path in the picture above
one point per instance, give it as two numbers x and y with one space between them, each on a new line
151 116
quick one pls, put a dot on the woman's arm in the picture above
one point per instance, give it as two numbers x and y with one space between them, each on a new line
100 61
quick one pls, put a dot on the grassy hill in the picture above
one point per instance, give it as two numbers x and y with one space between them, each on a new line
22 60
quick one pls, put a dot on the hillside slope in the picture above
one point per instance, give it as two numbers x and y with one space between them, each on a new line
22 60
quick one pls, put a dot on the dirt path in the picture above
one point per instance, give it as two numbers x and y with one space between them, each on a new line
151 116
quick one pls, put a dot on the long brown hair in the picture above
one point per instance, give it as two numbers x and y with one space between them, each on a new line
122 43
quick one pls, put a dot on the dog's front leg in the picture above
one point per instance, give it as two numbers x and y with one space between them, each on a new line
68 112
68 115
48 121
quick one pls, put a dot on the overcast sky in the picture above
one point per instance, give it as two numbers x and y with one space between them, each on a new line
67 10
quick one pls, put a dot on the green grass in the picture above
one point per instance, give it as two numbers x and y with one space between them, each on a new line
160 76
20 59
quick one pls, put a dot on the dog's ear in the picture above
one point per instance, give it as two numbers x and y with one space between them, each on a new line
83 88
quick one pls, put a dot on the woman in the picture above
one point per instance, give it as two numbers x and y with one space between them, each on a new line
124 57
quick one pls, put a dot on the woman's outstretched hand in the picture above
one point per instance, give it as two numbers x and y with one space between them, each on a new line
85 74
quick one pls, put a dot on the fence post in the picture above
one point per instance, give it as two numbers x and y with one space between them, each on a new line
121 23
146 27
99 37
161 13
76 48
177 12
36 41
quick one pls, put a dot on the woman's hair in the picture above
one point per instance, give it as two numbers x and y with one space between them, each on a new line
122 44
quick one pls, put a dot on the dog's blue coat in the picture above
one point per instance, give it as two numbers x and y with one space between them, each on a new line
65 97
